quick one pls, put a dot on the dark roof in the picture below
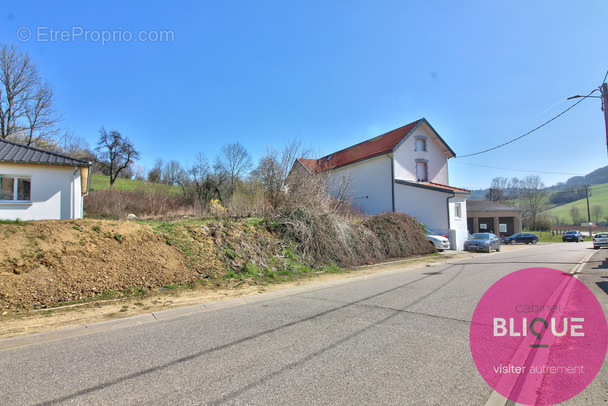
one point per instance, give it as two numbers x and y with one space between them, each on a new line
16 153
488 205
380 145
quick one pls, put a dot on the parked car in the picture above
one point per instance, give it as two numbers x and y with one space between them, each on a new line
528 238
482 242
439 241
600 240
573 236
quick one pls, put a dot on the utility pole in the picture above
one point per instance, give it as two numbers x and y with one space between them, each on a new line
588 212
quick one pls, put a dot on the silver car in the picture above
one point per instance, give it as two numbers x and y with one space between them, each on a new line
600 240
439 241
482 242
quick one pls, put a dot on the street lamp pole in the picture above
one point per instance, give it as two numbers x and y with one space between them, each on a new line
604 92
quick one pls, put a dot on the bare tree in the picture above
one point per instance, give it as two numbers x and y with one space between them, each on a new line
156 172
27 114
203 185
596 213
284 188
234 162
576 215
498 190
173 173
115 152
77 147
532 199
270 173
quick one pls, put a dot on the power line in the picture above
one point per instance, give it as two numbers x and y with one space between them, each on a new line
521 170
529 132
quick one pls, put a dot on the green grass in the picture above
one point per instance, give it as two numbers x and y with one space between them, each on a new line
546 236
599 197
20 222
99 182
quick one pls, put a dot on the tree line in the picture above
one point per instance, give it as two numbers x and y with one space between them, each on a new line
531 195
231 179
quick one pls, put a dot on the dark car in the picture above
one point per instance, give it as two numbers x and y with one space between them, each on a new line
482 242
573 236
527 238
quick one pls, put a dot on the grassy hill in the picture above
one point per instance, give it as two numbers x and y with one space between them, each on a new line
99 182
599 197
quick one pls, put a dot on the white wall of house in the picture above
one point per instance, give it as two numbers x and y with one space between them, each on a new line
431 207
55 193
428 206
458 232
371 184
406 156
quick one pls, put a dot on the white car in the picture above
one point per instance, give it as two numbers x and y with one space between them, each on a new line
439 241
600 240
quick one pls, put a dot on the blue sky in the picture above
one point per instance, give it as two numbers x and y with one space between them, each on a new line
334 73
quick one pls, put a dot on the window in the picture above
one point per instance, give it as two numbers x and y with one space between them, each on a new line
458 210
15 189
420 144
421 171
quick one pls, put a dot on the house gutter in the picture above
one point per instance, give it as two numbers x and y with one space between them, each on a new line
73 194
448 207
391 156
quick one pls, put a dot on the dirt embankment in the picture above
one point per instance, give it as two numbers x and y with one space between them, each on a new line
49 262
46 263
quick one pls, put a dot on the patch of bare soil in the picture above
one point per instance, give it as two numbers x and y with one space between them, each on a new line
28 322
49 262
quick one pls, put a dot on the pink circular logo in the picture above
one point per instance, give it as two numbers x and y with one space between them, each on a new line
538 336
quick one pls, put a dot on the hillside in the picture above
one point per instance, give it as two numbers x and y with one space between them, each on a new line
598 176
599 197
100 182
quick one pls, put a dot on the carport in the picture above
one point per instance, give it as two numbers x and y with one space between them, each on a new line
488 216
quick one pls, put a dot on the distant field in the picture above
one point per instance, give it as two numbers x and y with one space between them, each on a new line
99 182
599 197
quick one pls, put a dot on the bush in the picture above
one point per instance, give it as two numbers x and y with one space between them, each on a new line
331 239
149 203
399 234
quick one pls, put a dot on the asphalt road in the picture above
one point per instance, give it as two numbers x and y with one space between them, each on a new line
397 338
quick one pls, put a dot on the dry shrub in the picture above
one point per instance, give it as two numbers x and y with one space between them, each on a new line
145 204
332 239
400 235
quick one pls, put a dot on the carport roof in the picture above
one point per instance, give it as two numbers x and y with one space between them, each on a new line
11 152
488 205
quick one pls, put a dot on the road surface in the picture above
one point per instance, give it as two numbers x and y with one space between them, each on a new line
397 338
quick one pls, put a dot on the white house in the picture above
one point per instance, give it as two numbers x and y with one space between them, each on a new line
404 170
40 185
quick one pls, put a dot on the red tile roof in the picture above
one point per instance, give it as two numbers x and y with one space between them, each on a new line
452 188
432 185
382 144
310 164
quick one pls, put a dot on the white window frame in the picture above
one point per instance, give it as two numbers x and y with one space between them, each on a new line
16 179
458 211
426 169
424 143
